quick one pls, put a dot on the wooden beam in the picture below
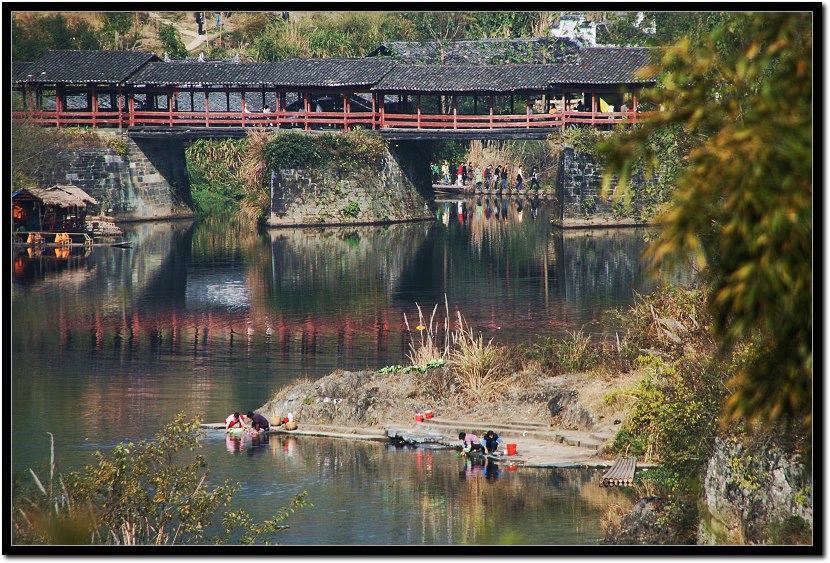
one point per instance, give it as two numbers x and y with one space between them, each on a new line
93 99
59 104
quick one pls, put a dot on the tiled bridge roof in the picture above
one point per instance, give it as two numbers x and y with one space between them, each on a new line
78 67
292 72
480 51
588 66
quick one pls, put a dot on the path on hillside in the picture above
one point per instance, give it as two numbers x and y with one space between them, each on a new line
195 39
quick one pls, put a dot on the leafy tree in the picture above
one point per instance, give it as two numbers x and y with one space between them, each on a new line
118 30
741 100
32 40
172 42
503 24
441 27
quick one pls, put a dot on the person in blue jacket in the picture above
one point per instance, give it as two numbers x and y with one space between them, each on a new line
491 442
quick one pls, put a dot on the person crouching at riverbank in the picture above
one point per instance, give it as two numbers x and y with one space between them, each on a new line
491 443
470 443
234 420
259 422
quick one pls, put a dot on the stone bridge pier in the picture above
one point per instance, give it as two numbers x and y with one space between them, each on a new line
146 180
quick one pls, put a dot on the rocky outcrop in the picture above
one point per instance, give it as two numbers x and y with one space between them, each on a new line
754 493
566 409
642 526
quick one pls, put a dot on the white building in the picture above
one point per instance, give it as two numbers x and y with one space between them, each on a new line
576 28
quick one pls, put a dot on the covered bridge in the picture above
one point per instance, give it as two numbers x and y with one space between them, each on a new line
584 86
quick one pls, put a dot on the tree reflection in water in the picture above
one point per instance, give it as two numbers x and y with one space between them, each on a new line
375 494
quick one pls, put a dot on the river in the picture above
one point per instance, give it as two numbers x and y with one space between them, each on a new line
208 317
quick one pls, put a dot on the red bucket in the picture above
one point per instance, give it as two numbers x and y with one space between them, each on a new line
511 449
427 414
419 417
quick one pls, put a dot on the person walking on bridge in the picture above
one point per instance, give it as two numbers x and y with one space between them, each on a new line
504 177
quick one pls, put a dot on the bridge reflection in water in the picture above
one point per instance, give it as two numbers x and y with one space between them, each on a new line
211 317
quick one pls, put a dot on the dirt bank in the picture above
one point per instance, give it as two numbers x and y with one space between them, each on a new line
545 411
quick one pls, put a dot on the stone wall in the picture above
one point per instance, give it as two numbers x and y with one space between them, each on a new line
578 187
395 189
753 493
149 182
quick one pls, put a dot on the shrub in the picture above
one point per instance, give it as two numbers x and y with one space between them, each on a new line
351 210
140 494
298 150
479 367
576 352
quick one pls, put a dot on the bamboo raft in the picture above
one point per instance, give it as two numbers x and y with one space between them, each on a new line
621 473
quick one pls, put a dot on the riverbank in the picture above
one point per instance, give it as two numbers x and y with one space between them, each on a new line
555 421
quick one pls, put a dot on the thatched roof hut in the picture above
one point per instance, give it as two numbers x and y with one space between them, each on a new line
59 208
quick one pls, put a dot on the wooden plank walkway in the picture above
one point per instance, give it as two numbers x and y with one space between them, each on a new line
621 473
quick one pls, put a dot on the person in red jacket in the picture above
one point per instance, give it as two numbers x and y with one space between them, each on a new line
234 420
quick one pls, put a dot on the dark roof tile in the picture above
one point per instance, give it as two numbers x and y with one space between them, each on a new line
192 72
74 67
19 70
609 65
481 51
331 72
442 78
292 72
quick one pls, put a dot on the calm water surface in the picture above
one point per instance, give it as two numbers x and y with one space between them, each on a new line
208 318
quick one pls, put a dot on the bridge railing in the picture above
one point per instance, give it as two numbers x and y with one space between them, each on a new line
328 120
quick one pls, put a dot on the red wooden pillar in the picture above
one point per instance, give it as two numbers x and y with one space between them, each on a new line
454 111
346 111
93 97
634 107
593 108
170 108
527 112
419 111
207 109
244 107
382 100
280 101
306 107
58 104
491 111
132 110
119 97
